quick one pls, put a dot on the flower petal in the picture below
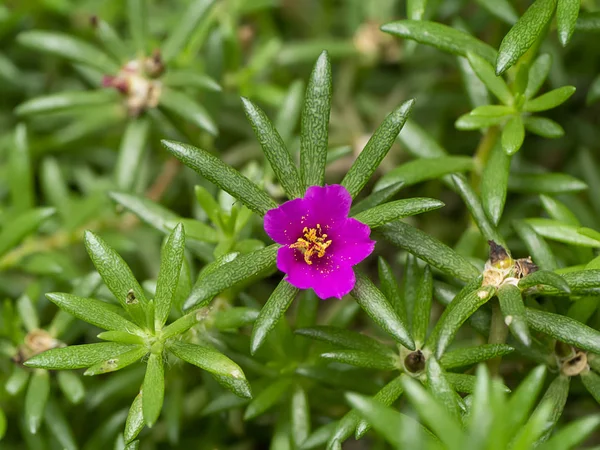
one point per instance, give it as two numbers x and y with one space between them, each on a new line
327 277
285 223
351 242
329 203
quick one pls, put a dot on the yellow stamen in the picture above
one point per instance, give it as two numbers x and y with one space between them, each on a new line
313 242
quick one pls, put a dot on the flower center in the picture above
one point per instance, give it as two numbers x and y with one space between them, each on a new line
312 243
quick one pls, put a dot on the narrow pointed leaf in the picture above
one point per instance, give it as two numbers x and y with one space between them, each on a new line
502 9
544 127
135 420
21 226
168 276
561 232
361 358
591 381
524 33
537 246
187 23
545 183
546 278
419 142
378 146
36 397
219 173
495 84
266 399
376 198
550 99
566 18
513 135
344 338
276 306
386 396
275 150
556 395
110 40
391 289
148 211
71 386
422 309
138 24
122 337
580 282
95 312
538 72
299 416
564 329
58 425
314 129
389 212
119 362
187 109
20 171
190 79
440 388
153 389
131 151
64 101
513 310
429 250
523 398
494 183
68 47
573 433
492 110
231 273
471 121
464 357
374 303
77 356
440 36
208 359
421 170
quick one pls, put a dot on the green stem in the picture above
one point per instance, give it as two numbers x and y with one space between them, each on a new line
498 335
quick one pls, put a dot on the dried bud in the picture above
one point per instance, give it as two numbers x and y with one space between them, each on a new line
575 365
525 266
94 20
499 257
414 361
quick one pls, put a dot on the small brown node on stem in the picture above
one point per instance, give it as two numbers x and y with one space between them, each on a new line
131 298
415 361
575 365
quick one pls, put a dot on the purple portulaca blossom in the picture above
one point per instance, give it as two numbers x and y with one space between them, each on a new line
320 243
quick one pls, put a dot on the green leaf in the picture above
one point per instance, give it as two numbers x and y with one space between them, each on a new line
476 90
275 150
419 142
94 311
153 389
69 47
501 9
429 250
440 388
572 434
122 337
581 283
188 109
119 362
76 356
550 99
138 24
524 33
492 110
366 359
168 276
566 17
276 306
187 23
117 276
268 397
513 310
523 399
398 429
190 79
71 386
376 198
588 22
131 152
64 101
231 273
27 312
342 337
591 381
422 309
474 122
234 318
21 226
433 414
547 278
564 329
36 399
378 146
415 9
440 36
513 135
556 395
462 307
58 425
299 416
561 232
374 303
148 211
386 396
315 123
464 357
421 170
544 127
110 40
536 245
475 208
494 183
463 383
17 381
389 212
20 177
495 84
207 359
135 420
390 288
533 428
2 424
538 72
219 173
196 230
545 183
593 94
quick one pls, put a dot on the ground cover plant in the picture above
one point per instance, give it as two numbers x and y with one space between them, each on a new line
243 224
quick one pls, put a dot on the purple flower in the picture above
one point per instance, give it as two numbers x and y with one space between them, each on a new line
320 242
